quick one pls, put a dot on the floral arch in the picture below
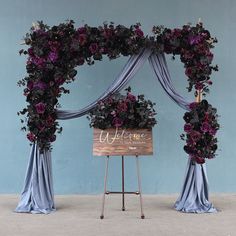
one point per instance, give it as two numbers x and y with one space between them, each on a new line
55 52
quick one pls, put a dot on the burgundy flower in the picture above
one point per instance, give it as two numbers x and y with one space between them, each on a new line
31 52
131 97
31 137
38 61
59 80
189 71
193 105
205 127
199 160
52 138
82 39
30 85
195 39
199 86
195 135
108 33
53 56
212 131
187 128
93 48
122 107
139 32
40 85
81 30
40 108
49 121
117 122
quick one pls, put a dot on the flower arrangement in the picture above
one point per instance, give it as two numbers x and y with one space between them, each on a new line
54 53
200 127
123 111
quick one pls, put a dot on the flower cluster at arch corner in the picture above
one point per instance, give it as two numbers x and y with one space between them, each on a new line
123 111
54 53
201 127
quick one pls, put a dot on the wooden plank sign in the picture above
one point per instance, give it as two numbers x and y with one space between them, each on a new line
118 142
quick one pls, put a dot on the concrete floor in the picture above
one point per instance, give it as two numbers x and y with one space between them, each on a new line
78 215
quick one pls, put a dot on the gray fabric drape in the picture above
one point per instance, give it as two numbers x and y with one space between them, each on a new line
159 65
134 63
37 195
194 195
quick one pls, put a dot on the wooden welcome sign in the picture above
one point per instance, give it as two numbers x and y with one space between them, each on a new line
118 142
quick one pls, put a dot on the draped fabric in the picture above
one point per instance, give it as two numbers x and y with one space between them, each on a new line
194 195
37 195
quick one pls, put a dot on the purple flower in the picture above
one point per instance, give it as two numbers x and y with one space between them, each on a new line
139 32
30 85
122 107
188 128
117 122
212 131
195 39
199 86
193 105
82 39
38 61
205 127
40 85
131 97
53 56
40 108
31 137
195 135
52 138
81 30
93 48
189 71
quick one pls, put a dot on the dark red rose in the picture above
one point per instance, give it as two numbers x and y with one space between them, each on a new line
30 85
189 71
131 97
52 138
31 137
122 107
82 39
193 105
139 32
117 122
40 108
93 48
53 56
40 85
81 30
199 160
49 121
188 128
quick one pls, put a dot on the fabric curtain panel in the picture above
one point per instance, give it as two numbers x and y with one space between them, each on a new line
37 194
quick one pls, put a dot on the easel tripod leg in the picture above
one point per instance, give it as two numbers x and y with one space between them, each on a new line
123 184
105 188
139 187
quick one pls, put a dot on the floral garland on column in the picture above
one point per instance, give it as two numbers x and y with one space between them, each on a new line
53 53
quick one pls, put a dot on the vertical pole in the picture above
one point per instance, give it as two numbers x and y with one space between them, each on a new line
123 184
139 187
198 98
105 188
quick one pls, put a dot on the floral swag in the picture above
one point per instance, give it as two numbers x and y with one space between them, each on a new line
54 53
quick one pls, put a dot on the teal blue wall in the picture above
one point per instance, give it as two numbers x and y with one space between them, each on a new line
75 170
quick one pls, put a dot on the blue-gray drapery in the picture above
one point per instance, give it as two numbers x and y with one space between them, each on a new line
194 195
37 195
